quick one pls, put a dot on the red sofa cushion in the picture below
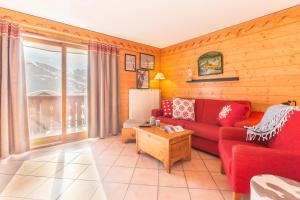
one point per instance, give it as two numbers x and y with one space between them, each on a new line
167 107
207 131
184 109
232 113
199 105
225 150
168 120
289 136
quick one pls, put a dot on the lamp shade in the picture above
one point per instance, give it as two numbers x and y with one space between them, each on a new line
159 76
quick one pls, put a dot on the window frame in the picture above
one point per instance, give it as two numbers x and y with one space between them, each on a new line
64 137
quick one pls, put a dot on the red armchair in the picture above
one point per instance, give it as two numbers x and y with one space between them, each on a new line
242 160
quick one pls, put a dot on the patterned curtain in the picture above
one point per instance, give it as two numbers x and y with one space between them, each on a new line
14 132
103 87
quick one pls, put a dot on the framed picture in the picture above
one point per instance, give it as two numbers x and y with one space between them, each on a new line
146 61
210 63
130 63
142 79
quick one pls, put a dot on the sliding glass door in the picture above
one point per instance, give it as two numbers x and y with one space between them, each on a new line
56 76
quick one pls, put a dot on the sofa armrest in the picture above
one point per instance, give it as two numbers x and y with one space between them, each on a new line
233 133
249 161
157 112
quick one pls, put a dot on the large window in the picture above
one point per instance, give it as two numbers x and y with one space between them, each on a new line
56 77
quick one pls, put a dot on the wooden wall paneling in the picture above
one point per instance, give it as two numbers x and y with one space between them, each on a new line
263 52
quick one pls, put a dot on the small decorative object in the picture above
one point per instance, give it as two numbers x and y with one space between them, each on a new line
142 79
130 63
159 76
157 123
210 63
152 121
146 61
190 74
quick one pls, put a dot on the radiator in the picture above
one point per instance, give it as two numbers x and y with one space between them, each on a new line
141 102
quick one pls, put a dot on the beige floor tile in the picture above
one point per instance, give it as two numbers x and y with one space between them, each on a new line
148 162
4 181
207 156
71 171
12 198
227 195
221 181
194 165
111 191
80 190
21 186
102 170
50 189
119 174
213 165
84 159
173 179
166 193
44 158
176 166
112 151
48 169
145 176
202 180
10 166
106 160
126 161
28 167
200 194
195 154
90 173
129 150
141 192
64 157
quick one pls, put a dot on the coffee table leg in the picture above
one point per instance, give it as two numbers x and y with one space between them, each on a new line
167 166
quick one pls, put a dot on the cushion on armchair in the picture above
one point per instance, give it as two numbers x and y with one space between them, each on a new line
232 113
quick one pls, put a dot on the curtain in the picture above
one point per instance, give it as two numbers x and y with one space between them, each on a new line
103 90
14 132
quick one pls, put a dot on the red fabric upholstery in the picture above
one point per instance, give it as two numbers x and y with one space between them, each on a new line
157 112
289 136
242 160
207 131
168 120
205 145
232 113
252 120
205 127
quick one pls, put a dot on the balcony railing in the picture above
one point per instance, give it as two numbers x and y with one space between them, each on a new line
45 115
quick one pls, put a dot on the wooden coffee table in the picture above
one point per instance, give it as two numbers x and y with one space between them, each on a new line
168 148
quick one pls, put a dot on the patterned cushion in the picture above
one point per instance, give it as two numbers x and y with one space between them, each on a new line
232 113
167 107
184 109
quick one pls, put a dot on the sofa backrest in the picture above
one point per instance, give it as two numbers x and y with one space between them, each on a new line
207 110
289 136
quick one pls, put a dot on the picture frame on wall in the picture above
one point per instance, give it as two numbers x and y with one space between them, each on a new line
130 62
210 63
147 61
142 79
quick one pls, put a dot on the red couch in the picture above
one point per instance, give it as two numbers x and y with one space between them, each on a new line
205 126
242 160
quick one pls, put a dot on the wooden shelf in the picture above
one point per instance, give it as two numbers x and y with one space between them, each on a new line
214 80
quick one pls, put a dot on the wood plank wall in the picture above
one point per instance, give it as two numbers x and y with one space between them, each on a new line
127 79
264 53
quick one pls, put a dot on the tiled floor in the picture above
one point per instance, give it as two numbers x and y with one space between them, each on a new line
108 169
